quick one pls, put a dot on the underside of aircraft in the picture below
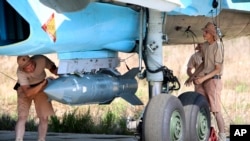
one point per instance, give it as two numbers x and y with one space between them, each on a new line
88 34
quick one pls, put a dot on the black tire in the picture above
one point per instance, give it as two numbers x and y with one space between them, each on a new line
164 119
197 115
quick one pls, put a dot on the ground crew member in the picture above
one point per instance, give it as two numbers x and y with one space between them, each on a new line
194 61
31 82
210 80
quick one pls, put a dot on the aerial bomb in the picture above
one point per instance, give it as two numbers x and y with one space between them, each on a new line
97 88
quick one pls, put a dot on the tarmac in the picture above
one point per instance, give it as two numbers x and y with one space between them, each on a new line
32 136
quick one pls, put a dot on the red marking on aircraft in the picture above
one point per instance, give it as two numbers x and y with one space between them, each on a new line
49 27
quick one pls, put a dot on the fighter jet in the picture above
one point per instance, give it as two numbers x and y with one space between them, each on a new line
87 36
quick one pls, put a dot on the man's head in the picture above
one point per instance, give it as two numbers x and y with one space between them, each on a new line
198 47
209 31
25 64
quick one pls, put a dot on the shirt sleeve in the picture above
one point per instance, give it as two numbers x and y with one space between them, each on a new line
22 78
49 64
44 62
191 62
219 54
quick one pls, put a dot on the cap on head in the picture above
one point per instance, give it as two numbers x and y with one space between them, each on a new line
22 61
210 28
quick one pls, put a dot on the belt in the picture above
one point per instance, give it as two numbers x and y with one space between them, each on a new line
34 85
216 77
17 85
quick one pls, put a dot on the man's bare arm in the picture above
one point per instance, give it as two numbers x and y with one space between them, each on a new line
29 91
189 81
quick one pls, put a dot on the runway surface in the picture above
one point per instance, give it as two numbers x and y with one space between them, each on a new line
32 136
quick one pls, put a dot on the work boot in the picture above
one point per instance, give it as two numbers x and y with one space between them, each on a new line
222 137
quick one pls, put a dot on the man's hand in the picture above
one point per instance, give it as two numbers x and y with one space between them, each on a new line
189 81
199 80
32 91
41 86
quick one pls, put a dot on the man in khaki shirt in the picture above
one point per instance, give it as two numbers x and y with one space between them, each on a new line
31 82
211 67
194 61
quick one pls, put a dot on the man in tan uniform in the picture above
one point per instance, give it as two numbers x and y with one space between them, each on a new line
194 61
210 72
31 82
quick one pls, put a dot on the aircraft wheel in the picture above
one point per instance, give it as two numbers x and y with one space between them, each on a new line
197 115
164 119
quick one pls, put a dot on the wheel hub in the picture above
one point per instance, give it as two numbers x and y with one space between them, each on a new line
176 126
202 126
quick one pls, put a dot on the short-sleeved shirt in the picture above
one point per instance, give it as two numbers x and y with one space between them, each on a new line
213 55
39 73
195 60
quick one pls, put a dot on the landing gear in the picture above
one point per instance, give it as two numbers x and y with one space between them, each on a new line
164 119
197 114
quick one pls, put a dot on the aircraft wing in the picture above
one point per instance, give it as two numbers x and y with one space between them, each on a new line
182 29
49 26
